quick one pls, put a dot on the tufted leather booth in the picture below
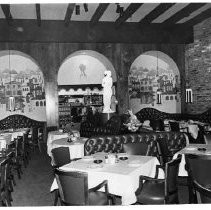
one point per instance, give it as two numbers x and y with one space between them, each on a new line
112 127
154 114
20 121
114 143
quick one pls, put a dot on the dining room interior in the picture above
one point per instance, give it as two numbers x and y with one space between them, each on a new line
105 103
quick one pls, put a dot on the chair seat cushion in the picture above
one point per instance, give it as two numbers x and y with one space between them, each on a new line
151 193
98 198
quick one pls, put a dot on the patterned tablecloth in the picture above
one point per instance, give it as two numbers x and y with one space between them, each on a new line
123 177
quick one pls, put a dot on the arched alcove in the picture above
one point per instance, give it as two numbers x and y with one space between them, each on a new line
80 83
84 67
21 78
151 73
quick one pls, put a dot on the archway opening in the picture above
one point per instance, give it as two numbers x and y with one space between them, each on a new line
80 83
22 79
151 73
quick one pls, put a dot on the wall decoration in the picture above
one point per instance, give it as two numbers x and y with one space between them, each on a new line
22 80
151 73
82 73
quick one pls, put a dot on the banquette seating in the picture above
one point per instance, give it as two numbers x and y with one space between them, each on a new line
114 143
16 121
157 118
154 114
94 128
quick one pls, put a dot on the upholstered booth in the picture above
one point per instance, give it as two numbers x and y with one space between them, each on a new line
154 114
17 121
94 128
157 118
114 143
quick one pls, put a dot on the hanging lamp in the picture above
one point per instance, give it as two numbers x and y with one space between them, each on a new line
11 97
159 92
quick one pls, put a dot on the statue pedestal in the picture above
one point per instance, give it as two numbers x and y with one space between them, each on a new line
106 116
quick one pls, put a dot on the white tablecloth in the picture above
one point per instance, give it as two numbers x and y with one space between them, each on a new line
5 139
52 136
76 148
191 149
123 177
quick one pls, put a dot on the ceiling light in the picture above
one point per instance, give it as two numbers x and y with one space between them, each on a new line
121 10
117 8
77 9
86 7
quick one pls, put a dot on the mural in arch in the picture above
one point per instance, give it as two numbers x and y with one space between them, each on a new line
151 73
84 67
21 78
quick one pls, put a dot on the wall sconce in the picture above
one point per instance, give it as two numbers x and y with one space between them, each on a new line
159 93
189 95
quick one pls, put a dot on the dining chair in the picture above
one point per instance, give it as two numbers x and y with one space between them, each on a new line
166 154
207 138
73 189
18 157
160 191
5 197
61 156
139 148
174 126
198 168
204 192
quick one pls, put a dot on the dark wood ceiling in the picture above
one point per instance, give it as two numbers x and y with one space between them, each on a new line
93 19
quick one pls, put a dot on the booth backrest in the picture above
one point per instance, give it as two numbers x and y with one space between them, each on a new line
154 114
19 121
112 127
114 143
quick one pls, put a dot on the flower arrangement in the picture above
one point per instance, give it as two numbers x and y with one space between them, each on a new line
133 123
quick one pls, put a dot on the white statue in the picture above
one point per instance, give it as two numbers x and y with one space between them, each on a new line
107 84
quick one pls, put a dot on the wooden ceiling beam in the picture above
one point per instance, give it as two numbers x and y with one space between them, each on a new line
69 13
185 12
38 13
82 32
127 13
98 13
199 18
7 13
160 9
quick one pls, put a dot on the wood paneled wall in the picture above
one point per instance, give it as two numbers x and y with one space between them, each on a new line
49 57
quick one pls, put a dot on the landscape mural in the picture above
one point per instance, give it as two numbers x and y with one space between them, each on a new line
150 73
23 80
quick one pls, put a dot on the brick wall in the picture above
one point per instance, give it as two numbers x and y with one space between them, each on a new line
198 68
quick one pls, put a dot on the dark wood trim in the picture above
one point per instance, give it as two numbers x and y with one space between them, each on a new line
38 14
199 18
185 12
98 13
161 8
81 32
127 13
69 13
7 13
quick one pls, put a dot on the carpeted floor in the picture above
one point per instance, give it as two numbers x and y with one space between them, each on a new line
33 189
